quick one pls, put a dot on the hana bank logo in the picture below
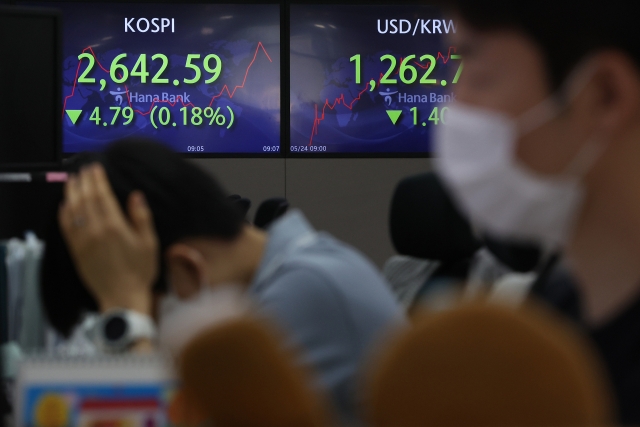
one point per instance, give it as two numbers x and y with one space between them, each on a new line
118 94
387 95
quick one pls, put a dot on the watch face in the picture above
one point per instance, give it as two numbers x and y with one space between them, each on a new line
115 328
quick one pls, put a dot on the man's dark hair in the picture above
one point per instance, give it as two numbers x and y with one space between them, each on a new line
185 202
566 31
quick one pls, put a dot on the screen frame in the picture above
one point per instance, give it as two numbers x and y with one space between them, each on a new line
56 15
285 73
325 155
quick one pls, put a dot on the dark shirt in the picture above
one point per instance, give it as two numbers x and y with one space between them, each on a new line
618 341
619 344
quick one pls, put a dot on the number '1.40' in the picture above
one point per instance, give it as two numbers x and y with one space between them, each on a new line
437 115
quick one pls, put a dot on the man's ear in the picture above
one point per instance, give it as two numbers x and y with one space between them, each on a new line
185 270
618 97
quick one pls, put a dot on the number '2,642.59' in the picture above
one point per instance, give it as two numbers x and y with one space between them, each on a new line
119 73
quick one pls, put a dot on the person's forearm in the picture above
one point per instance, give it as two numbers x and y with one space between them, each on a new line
141 303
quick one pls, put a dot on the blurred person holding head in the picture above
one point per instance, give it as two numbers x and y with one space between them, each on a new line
542 145
180 240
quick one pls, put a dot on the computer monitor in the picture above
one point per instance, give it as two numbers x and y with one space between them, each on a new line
202 78
369 80
30 127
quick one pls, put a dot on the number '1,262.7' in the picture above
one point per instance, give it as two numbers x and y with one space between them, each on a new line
408 73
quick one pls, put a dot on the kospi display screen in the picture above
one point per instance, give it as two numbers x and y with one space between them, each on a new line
369 80
202 78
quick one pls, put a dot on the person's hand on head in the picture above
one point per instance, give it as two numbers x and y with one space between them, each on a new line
115 256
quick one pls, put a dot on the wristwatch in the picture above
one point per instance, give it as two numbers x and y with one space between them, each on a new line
118 329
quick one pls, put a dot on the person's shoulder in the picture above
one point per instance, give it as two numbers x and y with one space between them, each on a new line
301 292
325 261
302 277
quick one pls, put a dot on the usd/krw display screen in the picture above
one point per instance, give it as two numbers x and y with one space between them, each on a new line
202 78
369 79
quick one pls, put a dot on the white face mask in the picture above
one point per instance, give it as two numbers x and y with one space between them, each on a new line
476 159
182 320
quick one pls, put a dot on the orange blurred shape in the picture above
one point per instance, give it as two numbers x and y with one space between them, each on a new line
239 374
485 365
180 414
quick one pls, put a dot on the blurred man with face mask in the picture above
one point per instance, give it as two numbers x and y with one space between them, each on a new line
543 145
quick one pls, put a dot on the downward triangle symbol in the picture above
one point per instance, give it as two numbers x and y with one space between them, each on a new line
73 115
394 115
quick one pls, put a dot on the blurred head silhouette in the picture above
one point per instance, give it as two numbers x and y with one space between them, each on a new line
488 366
242 364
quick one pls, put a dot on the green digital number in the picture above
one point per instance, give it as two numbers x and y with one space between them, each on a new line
115 116
215 71
95 116
442 111
194 67
140 69
414 110
457 76
165 63
404 67
83 77
356 59
433 117
115 67
196 116
425 80
127 113
385 79
164 116
184 115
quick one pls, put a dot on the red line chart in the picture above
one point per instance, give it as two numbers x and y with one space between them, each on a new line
340 100
224 89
